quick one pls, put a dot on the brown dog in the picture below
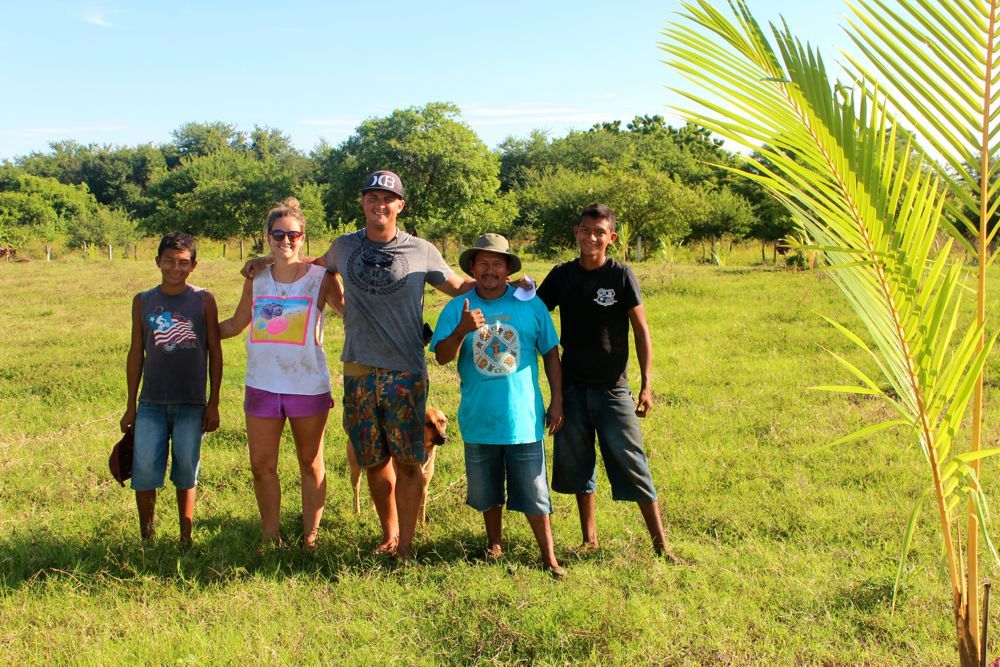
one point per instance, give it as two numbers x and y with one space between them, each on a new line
435 433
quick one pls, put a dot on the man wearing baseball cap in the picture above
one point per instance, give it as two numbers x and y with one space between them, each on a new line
497 333
385 377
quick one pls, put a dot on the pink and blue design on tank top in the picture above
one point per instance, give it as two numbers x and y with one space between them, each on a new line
282 320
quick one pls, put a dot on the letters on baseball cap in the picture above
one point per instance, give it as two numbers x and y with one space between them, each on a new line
384 180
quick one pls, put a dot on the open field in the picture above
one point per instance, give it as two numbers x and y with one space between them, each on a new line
791 547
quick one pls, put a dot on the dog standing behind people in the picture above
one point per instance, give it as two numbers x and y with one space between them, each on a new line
435 433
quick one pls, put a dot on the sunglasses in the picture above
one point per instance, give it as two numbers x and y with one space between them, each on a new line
280 234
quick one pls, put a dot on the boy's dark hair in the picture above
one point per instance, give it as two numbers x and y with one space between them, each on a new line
178 241
599 212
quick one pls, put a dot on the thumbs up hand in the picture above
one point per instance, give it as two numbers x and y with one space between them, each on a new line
471 319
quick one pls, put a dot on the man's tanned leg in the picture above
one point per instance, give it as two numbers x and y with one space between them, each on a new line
409 490
586 504
381 484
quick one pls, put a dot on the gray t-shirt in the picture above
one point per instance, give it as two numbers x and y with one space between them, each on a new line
384 297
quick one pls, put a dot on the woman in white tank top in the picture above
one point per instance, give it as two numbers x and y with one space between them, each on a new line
287 375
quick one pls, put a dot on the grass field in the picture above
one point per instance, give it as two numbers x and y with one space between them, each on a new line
790 547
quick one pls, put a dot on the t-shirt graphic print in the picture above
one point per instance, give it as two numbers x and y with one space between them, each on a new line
282 320
171 330
496 350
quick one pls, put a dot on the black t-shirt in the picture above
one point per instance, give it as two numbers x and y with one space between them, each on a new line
593 307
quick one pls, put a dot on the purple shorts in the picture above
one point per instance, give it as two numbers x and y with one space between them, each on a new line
266 404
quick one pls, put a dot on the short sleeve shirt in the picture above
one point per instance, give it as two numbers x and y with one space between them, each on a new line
498 365
384 297
593 307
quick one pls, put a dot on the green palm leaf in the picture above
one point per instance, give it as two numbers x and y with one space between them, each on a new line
876 211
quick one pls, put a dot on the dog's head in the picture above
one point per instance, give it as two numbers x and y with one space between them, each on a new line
435 427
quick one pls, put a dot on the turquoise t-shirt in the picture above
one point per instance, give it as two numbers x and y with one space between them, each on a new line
498 365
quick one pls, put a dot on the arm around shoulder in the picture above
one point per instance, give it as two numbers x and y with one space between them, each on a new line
455 284
240 319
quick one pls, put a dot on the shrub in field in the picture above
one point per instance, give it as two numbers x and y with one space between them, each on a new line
832 157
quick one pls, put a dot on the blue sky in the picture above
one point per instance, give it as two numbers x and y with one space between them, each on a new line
130 72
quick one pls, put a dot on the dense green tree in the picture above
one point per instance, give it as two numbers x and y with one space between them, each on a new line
116 176
730 216
193 140
219 195
451 177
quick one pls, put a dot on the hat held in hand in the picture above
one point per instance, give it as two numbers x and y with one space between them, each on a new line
120 461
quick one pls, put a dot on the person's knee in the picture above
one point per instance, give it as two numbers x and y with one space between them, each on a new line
408 471
263 469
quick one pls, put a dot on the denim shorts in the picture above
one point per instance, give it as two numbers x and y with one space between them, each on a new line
384 416
157 425
610 414
269 405
523 468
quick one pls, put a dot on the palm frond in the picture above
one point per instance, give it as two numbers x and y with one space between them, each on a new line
835 165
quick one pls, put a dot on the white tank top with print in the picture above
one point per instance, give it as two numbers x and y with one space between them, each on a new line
285 342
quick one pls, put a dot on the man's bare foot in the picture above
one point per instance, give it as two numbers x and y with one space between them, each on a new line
387 548
309 540
666 554
403 553
186 542
269 543
586 548
555 571
493 552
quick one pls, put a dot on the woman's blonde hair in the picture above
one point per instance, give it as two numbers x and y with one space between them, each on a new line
289 208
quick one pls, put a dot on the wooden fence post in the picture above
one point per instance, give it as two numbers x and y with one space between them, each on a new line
48 253
110 256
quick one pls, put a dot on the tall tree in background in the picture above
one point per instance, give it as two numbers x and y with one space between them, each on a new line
877 216
450 176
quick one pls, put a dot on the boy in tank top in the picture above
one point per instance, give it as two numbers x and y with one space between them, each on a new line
175 345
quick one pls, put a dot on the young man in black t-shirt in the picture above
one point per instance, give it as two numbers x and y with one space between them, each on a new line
598 299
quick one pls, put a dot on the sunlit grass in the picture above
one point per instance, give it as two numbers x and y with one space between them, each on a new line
791 547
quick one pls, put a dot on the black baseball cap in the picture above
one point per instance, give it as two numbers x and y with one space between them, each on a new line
384 180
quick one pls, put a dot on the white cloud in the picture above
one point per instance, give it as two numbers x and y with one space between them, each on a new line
96 13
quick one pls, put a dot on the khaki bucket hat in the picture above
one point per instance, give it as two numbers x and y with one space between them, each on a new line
491 243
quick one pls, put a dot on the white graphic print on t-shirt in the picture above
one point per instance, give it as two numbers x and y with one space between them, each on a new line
496 350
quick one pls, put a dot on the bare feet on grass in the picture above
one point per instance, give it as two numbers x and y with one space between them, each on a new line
309 540
493 552
666 554
586 548
270 543
555 570
387 548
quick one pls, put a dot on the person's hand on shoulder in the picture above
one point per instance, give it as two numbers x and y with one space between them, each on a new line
253 266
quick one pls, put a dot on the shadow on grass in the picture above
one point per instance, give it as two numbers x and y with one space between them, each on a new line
227 549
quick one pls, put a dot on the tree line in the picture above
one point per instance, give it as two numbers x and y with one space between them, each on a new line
669 185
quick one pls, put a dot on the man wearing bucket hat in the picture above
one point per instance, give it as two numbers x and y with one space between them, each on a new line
497 333
385 375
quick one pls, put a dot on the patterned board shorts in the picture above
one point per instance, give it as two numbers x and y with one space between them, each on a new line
384 414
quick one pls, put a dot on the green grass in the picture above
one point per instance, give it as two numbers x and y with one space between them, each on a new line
791 547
